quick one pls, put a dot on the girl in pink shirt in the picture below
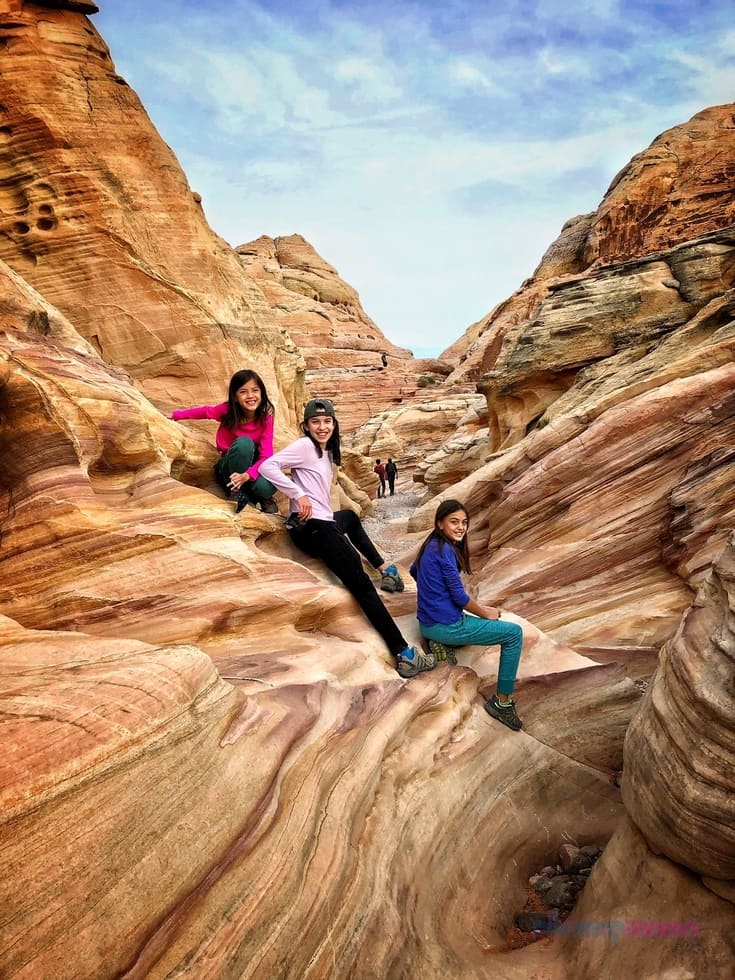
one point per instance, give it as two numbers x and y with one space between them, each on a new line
244 439
333 536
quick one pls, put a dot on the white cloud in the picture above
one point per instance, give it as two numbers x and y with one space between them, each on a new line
363 132
371 82
463 73
710 77
726 44
231 78
550 61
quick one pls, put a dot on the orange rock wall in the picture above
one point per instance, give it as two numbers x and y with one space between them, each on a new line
96 214
343 348
677 189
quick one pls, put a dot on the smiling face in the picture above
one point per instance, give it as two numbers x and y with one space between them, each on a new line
320 428
454 526
249 397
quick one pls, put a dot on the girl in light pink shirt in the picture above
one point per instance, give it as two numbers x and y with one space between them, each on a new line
333 536
244 439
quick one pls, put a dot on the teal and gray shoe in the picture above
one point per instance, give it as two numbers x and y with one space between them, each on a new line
409 666
390 580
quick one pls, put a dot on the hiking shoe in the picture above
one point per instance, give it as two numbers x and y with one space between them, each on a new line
440 651
243 499
269 506
390 580
504 712
410 666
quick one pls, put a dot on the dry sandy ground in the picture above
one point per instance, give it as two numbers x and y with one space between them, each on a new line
387 524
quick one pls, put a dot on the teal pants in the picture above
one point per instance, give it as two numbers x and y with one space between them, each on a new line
473 631
238 458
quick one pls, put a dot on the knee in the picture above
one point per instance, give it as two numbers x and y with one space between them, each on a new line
348 520
516 635
354 578
242 450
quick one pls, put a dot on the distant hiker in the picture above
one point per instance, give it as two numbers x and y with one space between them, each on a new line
449 618
244 439
379 468
391 471
384 359
334 536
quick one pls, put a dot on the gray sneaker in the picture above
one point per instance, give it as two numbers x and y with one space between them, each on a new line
421 661
390 580
504 712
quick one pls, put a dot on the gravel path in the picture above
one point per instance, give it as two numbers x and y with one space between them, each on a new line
387 524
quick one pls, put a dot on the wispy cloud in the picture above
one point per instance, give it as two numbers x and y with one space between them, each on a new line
463 73
427 150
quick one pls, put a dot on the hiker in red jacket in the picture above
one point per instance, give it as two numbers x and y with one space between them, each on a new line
379 468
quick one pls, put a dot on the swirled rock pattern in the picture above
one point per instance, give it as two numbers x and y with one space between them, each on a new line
604 502
680 748
587 418
209 765
137 833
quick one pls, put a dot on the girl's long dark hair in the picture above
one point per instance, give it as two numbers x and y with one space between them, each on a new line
462 551
235 414
333 447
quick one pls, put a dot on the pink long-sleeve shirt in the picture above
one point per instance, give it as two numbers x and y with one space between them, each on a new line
311 476
261 431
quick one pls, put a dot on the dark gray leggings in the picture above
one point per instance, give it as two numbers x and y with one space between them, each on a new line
240 457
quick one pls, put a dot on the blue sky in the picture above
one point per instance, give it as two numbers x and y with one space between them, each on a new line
430 151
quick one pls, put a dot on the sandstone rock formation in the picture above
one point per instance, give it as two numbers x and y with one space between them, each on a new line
422 435
681 187
606 499
137 833
678 189
96 214
348 359
596 368
210 766
554 530
680 750
629 922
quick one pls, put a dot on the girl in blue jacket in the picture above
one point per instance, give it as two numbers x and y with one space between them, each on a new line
449 618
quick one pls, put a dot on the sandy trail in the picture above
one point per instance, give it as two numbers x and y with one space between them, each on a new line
387 524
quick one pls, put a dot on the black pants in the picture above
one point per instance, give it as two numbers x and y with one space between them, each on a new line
333 541
392 484
381 486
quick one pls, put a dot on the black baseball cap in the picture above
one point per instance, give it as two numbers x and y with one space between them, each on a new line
318 406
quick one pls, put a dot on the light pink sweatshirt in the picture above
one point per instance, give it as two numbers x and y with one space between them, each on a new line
311 476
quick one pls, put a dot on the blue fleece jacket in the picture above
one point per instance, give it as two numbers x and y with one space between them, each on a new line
441 596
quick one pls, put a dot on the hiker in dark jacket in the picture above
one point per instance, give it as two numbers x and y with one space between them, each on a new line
391 471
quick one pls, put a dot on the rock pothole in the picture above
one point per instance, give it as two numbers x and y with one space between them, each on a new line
552 894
